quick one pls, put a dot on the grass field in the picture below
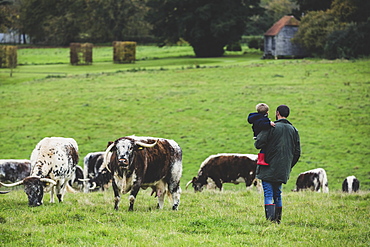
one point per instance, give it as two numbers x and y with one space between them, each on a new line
202 104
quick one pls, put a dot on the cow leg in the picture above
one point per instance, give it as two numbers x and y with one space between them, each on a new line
134 191
52 194
175 192
117 195
218 184
60 189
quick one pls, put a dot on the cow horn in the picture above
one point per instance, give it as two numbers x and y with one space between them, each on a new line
105 161
4 192
93 187
186 187
84 179
13 184
48 180
146 145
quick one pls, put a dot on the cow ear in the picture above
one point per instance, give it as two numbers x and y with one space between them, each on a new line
194 179
113 148
138 147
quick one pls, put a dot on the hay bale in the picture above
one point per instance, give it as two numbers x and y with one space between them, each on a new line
81 54
124 52
8 56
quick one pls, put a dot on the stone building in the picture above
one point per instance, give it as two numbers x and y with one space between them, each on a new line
277 40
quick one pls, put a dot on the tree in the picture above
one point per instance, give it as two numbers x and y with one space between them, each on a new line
280 8
312 5
208 25
340 31
352 42
314 29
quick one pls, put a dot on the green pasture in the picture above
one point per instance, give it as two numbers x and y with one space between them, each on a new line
39 63
229 218
202 104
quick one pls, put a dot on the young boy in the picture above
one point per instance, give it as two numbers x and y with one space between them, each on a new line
260 121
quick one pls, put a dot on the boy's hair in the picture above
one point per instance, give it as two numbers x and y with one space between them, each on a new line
283 110
262 108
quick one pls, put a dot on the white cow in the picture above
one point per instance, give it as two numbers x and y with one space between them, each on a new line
53 163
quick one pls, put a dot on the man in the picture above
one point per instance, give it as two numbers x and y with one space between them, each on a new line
282 151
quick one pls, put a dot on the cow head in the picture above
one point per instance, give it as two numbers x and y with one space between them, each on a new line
125 150
251 177
198 183
34 188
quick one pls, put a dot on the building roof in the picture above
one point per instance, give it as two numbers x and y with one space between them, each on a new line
285 21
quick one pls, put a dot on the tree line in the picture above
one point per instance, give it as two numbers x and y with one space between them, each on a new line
207 25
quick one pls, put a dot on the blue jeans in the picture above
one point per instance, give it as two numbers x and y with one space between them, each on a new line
272 193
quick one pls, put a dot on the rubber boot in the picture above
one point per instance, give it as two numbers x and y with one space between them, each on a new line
278 211
270 211
261 159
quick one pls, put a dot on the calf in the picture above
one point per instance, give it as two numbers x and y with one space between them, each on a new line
225 168
13 170
350 184
53 163
314 180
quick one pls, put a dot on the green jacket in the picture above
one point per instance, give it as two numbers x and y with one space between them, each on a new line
282 151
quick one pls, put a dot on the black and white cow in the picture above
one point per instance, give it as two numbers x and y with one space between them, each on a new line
142 162
96 176
13 170
53 163
350 184
77 180
314 180
225 168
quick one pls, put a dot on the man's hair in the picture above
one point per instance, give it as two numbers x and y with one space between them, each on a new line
262 108
283 110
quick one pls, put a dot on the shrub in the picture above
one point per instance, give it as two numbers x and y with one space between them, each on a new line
351 42
256 43
234 47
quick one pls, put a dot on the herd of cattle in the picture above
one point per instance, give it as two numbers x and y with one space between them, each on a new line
130 163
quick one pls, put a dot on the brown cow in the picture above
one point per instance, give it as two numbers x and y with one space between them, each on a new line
225 168
142 162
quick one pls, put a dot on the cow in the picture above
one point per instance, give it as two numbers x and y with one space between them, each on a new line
350 184
13 170
141 162
225 168
314 180
53 163
76 181
95 175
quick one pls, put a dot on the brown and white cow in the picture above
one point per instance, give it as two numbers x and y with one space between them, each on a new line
225 168
53 163
13 170
96 176
142 162
350 184
314 180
